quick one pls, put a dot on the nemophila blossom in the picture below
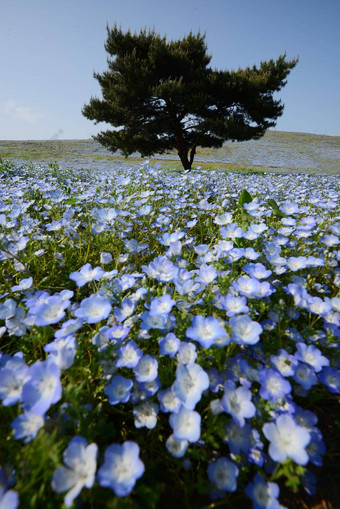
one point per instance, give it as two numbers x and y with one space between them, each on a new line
239 438
205 330
12 380
186 353
169 401
223 473
162 269
273 385
9 499
7 309
231 304
232 231
128 355
284 362
93 309
147 369
287 440
316 448
237 402
121 469
51 311
161 305
318 306
146 414
177 448
27 425
312 356
86 274
118 390
43 387
191 381
257 270
246 286
289 208
263 494
154 321
251 254
224 218
245 331
105 257
206 274
68 328
330 377
23 285
127 307
167 238
169 345
186 424
150 388
80 460
62 351
118 332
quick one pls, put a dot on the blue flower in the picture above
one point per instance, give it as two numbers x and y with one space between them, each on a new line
86 274
223 473
43 388
94 309
287 440
205 330
186 425
147 369
191 381
118 390
121 469
169 345
244 330
273 385
80 461
331 378
128 355
237 402
27 426
264 495
312 356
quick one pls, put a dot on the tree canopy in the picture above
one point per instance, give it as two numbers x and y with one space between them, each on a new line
162 95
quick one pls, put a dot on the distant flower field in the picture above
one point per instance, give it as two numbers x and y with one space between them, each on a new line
166 338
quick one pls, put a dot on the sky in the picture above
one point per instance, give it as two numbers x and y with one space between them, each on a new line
50 49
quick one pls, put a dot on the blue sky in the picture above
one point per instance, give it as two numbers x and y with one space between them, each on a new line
51 48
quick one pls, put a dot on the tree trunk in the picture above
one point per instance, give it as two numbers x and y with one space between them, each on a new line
184 160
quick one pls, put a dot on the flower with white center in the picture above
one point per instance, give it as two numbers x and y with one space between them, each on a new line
191 381
177 448
86 274
287 440
27 425
237 402
51 311
205 330
223 474
121 469
146 369
245 331
264 495
43 387
186 425
146 415
118 390
80 461
93 309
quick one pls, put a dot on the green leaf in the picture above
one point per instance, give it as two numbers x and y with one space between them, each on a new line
276 211
245 197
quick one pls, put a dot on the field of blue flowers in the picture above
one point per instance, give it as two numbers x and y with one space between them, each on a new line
166 338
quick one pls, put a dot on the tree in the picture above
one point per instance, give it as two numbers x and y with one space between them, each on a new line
162 95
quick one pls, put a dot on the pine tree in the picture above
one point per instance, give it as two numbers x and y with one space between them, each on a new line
162 95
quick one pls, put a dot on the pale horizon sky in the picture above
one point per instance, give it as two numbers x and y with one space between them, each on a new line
50 50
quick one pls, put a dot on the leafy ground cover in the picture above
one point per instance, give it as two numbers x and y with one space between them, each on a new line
168 338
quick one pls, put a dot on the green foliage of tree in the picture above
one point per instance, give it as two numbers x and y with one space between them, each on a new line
162 95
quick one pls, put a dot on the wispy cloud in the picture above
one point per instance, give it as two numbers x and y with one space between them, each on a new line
26 113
